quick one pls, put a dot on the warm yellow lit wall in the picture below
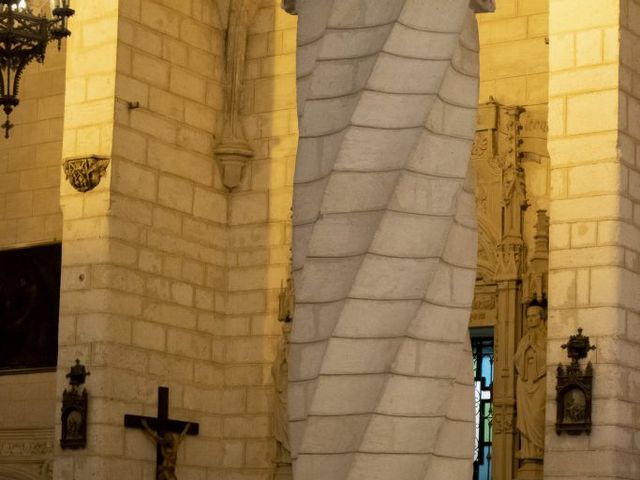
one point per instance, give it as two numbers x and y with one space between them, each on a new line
30 157
169 278
514 70
513 53
30 215
259 232
594 277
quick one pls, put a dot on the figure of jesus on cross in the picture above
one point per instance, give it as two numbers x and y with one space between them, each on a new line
166 433
168 445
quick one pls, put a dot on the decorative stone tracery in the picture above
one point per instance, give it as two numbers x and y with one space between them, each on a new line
511 273
25 454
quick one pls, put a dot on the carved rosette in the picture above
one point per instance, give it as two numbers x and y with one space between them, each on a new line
84 173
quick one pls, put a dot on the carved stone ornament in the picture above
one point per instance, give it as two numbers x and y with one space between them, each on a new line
84 173
574 388
233 150
74 409
26 445
530 361
26 453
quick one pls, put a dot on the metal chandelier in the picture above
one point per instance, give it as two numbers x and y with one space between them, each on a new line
24 37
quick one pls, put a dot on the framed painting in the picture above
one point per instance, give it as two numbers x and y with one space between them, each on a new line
29 307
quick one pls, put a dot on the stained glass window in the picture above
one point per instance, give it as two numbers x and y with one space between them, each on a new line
482 347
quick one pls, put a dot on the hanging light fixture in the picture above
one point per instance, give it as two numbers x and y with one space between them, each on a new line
23 38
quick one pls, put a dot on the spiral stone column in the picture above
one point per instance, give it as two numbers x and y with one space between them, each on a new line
384 241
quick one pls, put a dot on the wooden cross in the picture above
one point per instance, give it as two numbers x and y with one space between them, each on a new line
162 426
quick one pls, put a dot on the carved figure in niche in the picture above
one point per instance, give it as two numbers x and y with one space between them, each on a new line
530 362
575 406
74 425
74 409
509 182
168 444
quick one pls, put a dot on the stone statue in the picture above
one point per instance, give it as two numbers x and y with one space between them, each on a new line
530 363
168 444
280 374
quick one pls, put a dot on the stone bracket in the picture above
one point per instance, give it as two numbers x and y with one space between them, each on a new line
85 172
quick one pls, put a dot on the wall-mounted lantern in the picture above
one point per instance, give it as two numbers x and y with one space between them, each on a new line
23 38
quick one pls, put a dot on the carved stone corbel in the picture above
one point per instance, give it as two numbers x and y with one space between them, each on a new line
84 173
234 151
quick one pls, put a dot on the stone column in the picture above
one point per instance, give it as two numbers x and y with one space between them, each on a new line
384 241
86 313
594 272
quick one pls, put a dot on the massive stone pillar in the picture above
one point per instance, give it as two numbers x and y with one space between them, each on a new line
384 241
594 272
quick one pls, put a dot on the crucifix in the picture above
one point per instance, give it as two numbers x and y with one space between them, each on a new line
166 433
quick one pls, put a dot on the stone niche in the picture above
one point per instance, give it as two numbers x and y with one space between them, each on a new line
509 154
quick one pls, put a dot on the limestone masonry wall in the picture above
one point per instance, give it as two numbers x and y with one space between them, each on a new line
30 213
514 70
30 157
594 272
168 278
259 237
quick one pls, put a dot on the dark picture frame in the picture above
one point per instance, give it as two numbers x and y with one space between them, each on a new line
29 308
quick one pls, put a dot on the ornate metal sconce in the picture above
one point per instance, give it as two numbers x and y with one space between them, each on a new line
23 38
74 409
575 388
